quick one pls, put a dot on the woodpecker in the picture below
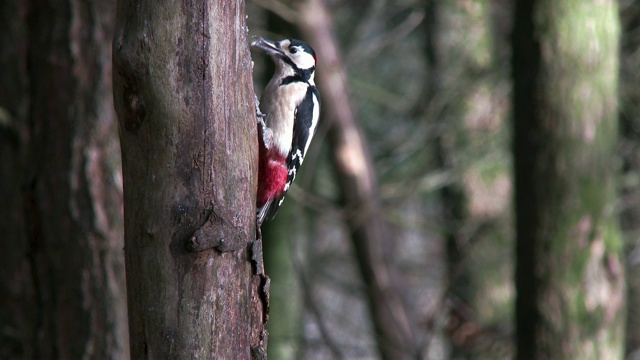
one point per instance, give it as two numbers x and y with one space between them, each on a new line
291 104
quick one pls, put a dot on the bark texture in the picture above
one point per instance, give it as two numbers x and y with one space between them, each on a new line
569 275
62 277
184 96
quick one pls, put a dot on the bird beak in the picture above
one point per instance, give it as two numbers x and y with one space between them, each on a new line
268 46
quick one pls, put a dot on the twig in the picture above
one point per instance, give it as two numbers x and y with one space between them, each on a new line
315 310
369 48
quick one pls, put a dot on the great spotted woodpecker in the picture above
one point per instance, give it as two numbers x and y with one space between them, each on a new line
291 103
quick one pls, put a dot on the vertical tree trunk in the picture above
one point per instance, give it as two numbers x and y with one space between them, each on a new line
472 144
630 151
62 276
184 96
17 302
286 305
570 277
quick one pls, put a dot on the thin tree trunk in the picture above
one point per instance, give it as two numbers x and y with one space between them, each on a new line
184 96
286 305
569 275
472 143
63 293
393 328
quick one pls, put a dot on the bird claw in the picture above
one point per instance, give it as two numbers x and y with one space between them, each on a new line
259 115
267 134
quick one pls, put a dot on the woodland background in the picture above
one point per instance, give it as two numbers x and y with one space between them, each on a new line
473 190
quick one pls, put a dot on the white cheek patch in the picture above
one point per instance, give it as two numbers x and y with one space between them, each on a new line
304 61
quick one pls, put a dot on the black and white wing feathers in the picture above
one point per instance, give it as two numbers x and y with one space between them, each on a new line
304 127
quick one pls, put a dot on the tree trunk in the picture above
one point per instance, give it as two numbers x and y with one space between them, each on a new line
184 96
569 275
286 305
62 278
393 326
472 143
630 151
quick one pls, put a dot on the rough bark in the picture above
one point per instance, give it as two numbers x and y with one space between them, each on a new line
62 275
184 96
369 233
569 275
17 303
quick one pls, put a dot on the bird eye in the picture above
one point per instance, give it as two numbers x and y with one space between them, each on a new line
293 50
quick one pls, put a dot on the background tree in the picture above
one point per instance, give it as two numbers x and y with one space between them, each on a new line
629 150
569 274
368 230
468 89
62 291
185 102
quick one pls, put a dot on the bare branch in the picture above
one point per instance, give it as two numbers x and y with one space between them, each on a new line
367 49
393 329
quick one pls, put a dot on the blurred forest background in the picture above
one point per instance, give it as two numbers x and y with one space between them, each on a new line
462 195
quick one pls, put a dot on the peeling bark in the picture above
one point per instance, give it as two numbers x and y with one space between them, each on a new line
184 96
